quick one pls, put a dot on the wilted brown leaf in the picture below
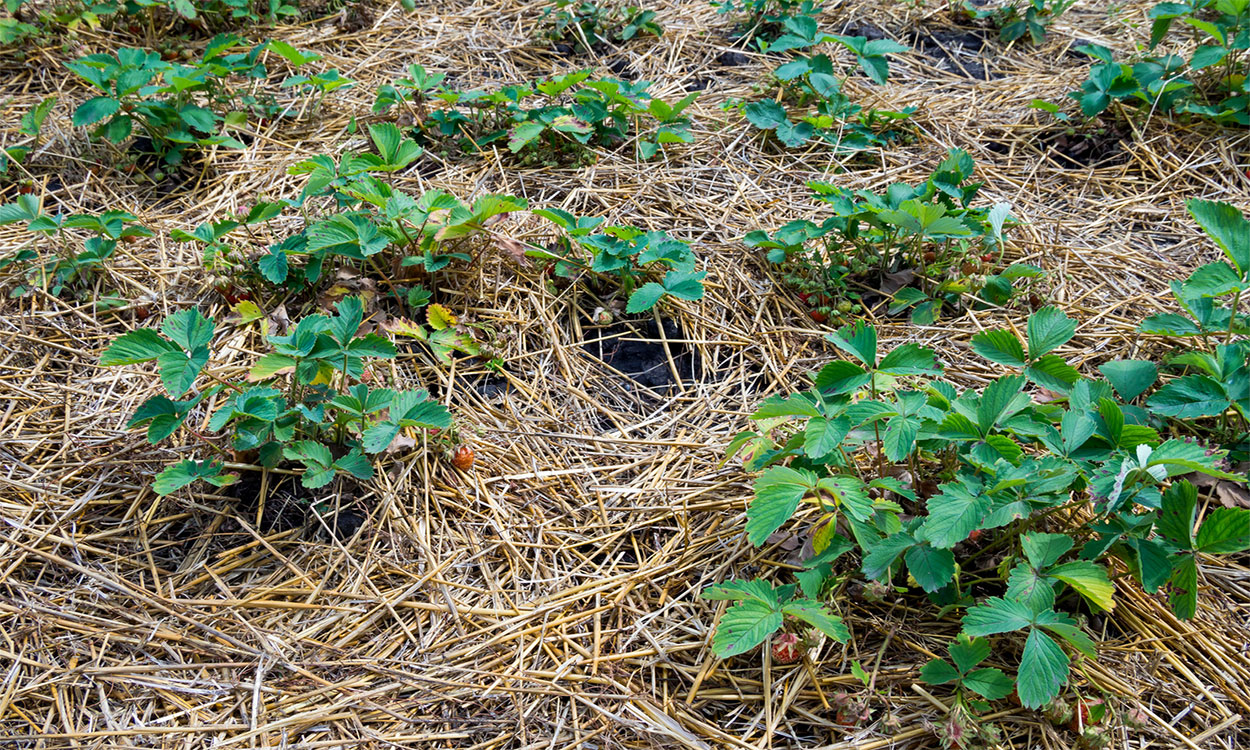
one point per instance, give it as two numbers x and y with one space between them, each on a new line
513 247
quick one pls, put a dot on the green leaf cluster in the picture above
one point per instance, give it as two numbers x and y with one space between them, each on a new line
763 22
66 266
140 92
303 406
997 458
928 233
811 107
1019 17
1170 84
585 25
761 610
575 113
624 253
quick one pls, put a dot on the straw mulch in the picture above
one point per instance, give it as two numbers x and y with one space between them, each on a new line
549 597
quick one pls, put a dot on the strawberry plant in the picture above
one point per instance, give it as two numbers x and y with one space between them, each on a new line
14 31
1014 19
763 21
579 114
30 126
974 687
305 401
624 253
417 89
1200 295
1210 84
586 25
69 266
905 468
761 610
1215 382
965 676
362 221
928 239
165 101
809 104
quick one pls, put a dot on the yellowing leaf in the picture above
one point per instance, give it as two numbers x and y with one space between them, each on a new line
440 317
824 534
270 365
1089 579
405 327
325 374
248 311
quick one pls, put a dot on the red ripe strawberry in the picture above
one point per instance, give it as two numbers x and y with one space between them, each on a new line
988 257
462 458
786 648
142 312
975 535
818 315
803 296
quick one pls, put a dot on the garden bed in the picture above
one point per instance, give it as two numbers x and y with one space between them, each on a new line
550 594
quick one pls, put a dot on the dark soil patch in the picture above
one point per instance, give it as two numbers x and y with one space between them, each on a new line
342 524
623 69
998 147
732 59
491 386
1081 150
636 349
288 505
698 84
286 501
864 29
577 50
961 51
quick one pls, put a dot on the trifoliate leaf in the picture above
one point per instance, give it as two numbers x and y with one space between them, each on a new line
183 473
